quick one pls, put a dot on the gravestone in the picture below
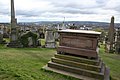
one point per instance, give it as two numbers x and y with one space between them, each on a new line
14 41
49 39
41 35
5 33
110 43
117 44
1 36
39 43
77 56
56 35
29 39
63 26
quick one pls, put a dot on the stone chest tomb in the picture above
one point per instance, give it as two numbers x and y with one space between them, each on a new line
79 42
77 56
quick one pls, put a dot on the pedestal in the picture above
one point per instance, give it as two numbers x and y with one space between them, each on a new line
77 56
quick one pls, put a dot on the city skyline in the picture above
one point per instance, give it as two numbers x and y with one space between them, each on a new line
54 10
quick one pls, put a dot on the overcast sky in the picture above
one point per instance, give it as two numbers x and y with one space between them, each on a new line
56 10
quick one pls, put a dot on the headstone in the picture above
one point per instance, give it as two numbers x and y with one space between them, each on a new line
77 56
63 26
117 44
29 39
111 37
56 35
5 33
41 35
58 27
39 43
14 41
49 39
1 36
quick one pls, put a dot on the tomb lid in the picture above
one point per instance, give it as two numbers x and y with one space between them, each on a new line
80 31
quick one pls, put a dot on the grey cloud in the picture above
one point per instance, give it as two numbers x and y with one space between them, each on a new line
4 11
36 13
117 8
78 5
101 1
75 11
28 13
62 8
51 15
57 15
76 8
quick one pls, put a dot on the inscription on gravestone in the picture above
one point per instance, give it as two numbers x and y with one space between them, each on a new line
79 43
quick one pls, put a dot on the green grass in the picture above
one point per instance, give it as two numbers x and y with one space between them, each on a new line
113 62
26 64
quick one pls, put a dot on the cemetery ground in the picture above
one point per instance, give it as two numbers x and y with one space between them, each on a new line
26 64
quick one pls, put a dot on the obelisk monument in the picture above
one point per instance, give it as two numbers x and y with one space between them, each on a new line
14 42
13 36
111 35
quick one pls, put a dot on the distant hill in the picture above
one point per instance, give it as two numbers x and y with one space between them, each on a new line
87 23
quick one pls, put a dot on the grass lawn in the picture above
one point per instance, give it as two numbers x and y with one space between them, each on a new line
113 62
26 64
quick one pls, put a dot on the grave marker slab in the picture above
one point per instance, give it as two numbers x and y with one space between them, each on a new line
29 39
1 36
49 39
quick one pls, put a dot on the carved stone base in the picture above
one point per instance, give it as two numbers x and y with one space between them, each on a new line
78 51
50 45
81 68
15 44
